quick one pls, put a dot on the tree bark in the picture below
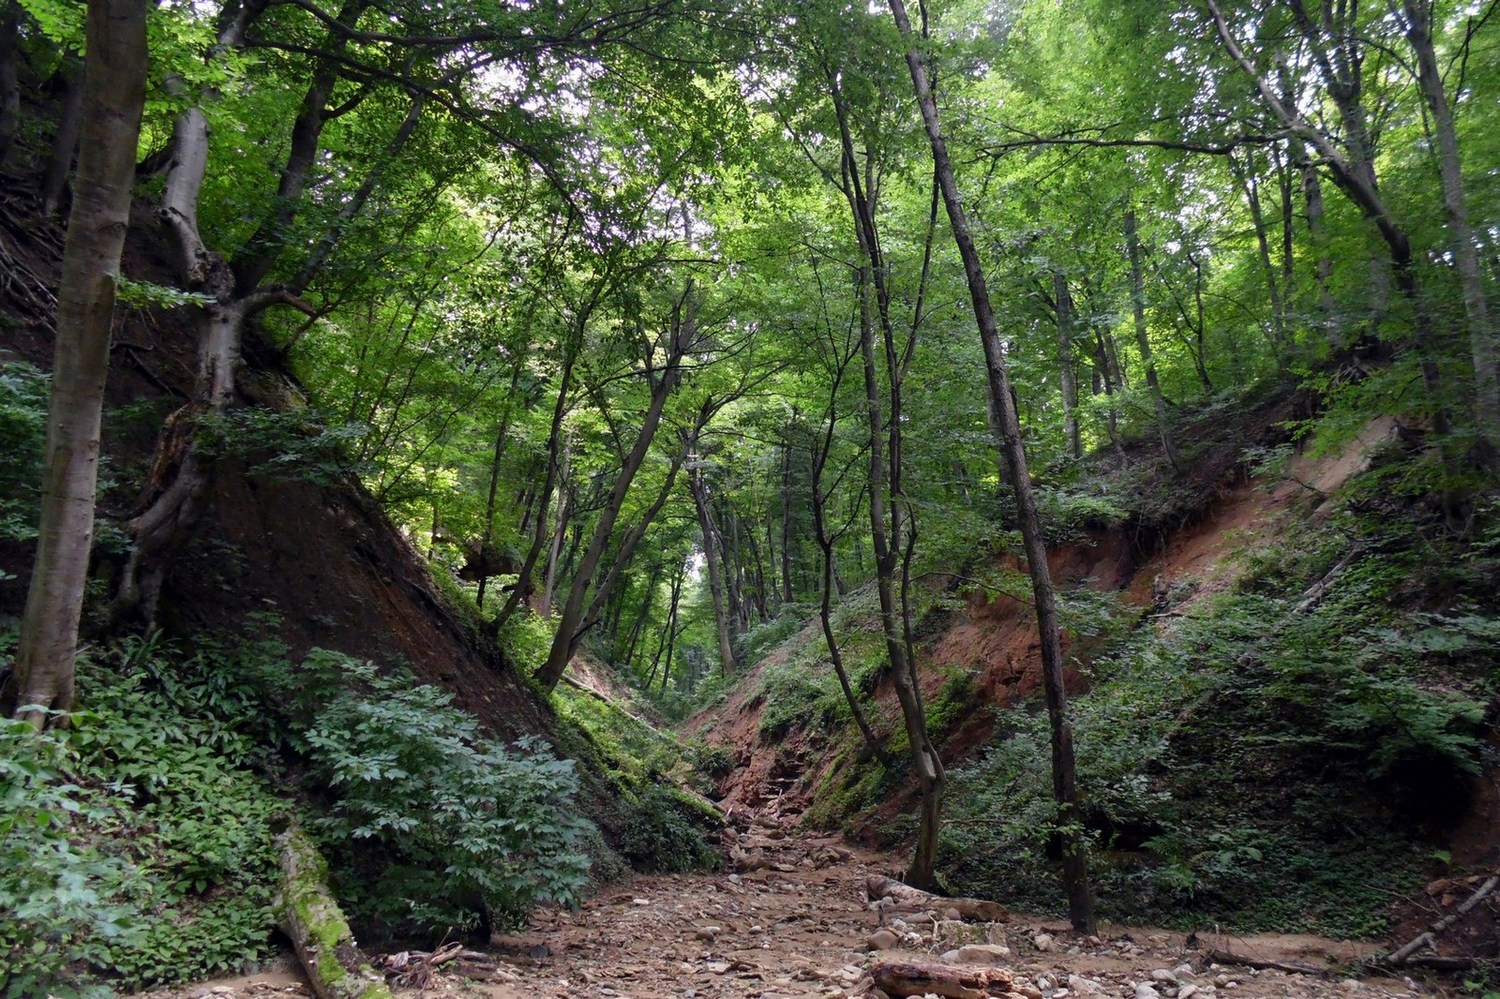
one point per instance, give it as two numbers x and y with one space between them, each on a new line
1063 300
680 336
952 981
65 139
309 915
1143 340
114 89
1484 352
699 488
10 86
1064 778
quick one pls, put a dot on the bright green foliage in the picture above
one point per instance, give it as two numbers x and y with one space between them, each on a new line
140 844
432 824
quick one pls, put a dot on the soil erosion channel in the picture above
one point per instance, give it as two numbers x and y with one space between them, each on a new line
793 921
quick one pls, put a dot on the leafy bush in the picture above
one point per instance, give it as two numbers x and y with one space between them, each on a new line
297 445
666 832
1214 754
136 845
432 825
52 888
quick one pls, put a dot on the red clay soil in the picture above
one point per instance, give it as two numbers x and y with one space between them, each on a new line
995 636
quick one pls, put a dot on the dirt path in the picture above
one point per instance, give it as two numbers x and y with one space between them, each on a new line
793 922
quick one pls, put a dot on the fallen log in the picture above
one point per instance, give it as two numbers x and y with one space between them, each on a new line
954 981
893 896
1266 964
310 917
1427 938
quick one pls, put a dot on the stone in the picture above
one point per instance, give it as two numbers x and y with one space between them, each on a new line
1164 976
990 954
1145 991
1042 942
1084 986
1221 981
1187 992
709 933
882 939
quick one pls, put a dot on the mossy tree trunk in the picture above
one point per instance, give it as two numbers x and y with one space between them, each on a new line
309 915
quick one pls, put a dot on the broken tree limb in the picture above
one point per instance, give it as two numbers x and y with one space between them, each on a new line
1428 937
1219 956
311 918
955 981
900 897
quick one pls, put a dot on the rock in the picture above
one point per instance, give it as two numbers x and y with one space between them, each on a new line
992 954
1349 984
1164 976
221 990
1044 983
709 933
882 939
1222 981
1145 991
1042 942
1184 970
1084 986
1187 992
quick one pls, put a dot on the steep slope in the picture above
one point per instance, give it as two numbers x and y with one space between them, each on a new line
1279 700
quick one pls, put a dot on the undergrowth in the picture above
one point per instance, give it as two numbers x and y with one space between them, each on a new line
137 844
1267 760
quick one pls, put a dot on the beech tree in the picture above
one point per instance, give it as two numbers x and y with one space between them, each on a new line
114 91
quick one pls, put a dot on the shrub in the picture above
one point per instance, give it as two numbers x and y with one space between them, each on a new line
432 825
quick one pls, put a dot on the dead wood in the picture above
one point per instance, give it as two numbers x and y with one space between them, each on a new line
1428 938
955 981
1291 967
899 897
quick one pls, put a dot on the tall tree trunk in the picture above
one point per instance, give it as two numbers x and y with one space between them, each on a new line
680 336
885 481
1064 778
786 511
65 139
1250 188
10 85
559 530
1484 352
114 92
1143 340
1063 299
713 560
488 534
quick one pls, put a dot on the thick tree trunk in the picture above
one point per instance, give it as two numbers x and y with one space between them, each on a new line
1064 778
1143 340
309 915
952 981
114 90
